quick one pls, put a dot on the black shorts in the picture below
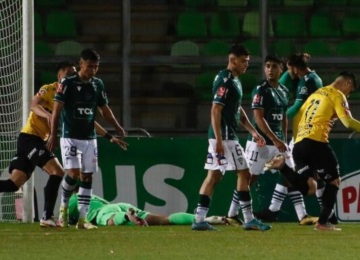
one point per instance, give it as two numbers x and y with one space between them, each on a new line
31 152
316 158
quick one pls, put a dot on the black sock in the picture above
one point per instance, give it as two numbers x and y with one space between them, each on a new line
298 181
204 201
51 192
8 186
328 202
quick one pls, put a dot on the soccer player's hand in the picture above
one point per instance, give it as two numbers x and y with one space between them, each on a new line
51 143
120 131
280 145
219 149
260 141
119 142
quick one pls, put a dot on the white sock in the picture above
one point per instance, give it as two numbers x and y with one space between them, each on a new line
67 187
298 201
319 194
200 214
278 197
84 201
234 206
246 209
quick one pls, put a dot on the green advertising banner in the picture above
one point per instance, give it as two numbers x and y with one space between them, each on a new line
163 175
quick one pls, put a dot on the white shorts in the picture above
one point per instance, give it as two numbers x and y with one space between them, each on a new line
258 156
79 154
234 158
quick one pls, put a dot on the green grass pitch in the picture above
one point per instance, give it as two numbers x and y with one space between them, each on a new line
285 241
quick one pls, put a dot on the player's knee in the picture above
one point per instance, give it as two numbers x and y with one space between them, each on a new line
312 186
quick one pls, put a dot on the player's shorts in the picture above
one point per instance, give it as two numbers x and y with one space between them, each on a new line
313 157
258 156
79 154
106 212
234 157
31 152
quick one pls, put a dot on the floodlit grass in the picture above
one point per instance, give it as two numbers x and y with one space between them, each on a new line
285 241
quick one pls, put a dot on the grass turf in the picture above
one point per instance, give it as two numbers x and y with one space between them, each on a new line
284 241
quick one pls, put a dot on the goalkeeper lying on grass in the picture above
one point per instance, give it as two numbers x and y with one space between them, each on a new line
103 213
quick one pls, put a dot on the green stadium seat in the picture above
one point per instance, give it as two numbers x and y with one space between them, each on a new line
38 27
291 25
253 46
198 3
351 25
185 48
60 24
203 85
348 48
251 26
68 48
216 48
191 24
283 48
231 3
355 96
224 25
43 49
324 3
318 48
272 3
298 2
324 25
52 3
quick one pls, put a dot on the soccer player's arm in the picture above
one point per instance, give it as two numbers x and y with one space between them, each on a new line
38 100
59 100
102 132
344 114
245 122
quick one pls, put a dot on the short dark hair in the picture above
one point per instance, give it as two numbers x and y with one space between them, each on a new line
90 54
64 64
239 50
299 60
273 58
349 75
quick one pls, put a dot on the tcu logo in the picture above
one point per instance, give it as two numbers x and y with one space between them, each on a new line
277 116
86 111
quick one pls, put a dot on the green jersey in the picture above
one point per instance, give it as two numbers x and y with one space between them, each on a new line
96 203
308 85
80 100
288 82
227 91
274 102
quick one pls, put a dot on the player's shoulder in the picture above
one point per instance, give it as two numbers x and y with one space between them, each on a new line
223 77
47 88
97 81
70 80
283 88
262 86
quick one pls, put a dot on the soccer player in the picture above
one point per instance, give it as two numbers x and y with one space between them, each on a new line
308 82
31 147
225 152
103 213
77 99
269 104
314 158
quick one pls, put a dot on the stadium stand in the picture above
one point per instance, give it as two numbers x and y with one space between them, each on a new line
68 48
224 25
191 25
60 24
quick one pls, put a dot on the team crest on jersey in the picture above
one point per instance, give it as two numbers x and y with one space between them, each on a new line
221 91
256 99
60 88
303 90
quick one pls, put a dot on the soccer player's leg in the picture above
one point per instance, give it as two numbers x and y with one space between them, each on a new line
49 163
240 163
216 168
